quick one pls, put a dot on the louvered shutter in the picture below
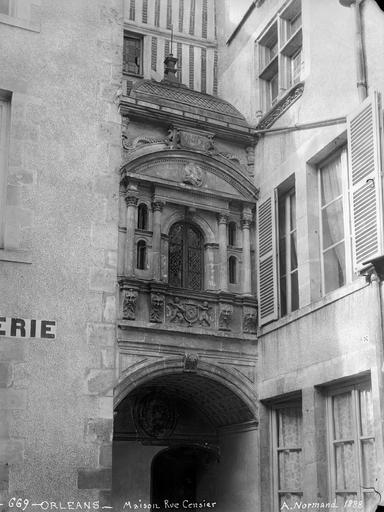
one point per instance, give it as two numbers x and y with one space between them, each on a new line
266 261
365 181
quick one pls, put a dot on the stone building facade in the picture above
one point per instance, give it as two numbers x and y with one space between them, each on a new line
191 201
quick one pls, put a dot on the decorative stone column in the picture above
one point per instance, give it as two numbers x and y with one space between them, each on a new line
223 259
157 207
131 198
245 225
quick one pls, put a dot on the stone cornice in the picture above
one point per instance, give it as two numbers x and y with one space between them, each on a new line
153 112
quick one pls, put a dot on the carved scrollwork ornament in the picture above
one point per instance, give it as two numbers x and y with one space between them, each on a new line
129 304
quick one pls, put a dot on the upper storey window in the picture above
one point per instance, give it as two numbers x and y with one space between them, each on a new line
280 55
132 54
185 256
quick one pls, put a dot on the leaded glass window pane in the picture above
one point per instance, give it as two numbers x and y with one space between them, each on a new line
185 256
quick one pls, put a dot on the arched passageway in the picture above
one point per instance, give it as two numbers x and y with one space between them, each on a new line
183 438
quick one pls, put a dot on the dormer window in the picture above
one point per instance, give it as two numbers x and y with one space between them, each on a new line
185 261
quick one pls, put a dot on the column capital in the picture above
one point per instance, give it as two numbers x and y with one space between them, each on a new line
245 223
223 218
246 217
157 205
131 199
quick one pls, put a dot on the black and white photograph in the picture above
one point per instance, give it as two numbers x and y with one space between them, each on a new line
191 255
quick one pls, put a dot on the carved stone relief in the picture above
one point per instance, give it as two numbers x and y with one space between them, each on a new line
250 321
190 362
129 304
192 174
225 317
189 312
157 307
155 415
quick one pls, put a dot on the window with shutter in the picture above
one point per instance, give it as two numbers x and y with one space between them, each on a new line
288 271
334 222
5 107
266 264
366 184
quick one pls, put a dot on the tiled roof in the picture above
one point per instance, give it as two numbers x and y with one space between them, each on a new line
186 99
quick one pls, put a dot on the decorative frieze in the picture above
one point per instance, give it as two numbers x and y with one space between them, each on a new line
129 304
189 312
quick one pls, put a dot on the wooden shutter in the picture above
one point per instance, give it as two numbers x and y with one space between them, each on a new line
266 261
365 181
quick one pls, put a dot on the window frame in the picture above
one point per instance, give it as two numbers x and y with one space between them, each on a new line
285 195
279 63
185 264
293 403
137 37
232 233
362 383
232 270
142 217
345 197
5 120
141 255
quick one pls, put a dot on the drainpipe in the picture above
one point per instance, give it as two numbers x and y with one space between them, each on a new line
359 48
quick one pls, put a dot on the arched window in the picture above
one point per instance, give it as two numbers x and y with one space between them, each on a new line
232 233
232 264
141 255
185 259
142 216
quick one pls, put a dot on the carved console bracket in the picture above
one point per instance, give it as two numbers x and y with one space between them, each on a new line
281 106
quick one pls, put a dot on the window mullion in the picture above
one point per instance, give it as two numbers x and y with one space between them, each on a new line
346 212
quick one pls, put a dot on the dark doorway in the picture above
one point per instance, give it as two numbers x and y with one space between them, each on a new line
176 473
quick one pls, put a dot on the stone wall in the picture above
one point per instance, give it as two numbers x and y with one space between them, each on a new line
59 259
